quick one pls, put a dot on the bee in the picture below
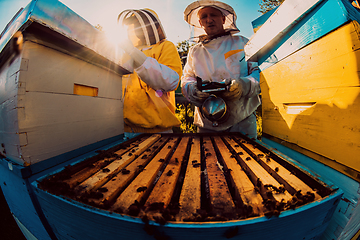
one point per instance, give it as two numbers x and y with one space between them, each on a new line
125 171
141 189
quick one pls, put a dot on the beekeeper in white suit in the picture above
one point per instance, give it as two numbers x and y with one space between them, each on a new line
219 56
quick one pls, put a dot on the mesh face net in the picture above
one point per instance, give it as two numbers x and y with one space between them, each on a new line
147 24
192 18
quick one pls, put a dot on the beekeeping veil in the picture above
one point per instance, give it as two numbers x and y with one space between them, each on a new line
149 22
192 18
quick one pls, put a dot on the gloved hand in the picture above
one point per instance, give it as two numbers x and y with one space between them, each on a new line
138 56
235 89
195 95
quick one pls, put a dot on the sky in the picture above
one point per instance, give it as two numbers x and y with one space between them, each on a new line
170 12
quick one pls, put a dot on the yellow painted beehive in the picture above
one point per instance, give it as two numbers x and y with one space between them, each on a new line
311 99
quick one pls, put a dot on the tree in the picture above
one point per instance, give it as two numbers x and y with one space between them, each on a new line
183 49
268 5
184 109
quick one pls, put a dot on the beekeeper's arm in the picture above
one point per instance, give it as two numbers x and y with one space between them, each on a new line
189 83
161 74
247 86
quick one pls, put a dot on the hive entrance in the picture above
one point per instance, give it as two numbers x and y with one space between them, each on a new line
187 178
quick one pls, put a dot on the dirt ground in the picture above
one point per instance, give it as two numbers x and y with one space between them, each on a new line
9 230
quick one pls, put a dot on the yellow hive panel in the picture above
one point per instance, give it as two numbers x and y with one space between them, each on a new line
311 98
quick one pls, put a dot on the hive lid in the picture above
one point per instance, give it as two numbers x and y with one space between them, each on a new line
57 17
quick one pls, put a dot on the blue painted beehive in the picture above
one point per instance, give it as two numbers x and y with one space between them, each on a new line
175 186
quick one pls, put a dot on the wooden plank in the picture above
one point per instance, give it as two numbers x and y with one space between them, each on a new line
102 176
243 185
73 121
258 173
86 172
220 197
56 72
258 22
55 120
190 197
164 188
9 131
140 186
280 173
328 16
120 181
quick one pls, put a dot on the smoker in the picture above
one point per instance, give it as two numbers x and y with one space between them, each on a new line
214 108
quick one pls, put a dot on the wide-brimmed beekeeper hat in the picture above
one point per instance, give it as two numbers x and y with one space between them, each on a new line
149 22
192 18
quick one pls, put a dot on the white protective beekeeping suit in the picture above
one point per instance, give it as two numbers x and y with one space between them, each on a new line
222 59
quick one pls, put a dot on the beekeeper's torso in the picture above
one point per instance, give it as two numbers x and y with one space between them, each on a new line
219 59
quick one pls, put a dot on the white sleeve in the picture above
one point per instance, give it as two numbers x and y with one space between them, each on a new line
252 80
251 83
188 75
158 76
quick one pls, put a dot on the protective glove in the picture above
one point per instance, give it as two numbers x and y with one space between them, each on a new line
138 56
195 95
235 90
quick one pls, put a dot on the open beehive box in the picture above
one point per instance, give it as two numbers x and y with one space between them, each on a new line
163 179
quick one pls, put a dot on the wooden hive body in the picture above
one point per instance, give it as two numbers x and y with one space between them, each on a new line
311 98
59 93
311 94
181 185
44 117
309 79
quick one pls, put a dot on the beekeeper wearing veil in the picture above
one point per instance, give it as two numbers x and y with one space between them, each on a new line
219 57
149 92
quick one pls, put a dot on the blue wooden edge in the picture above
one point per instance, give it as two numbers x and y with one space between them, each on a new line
60 160
326 17
257 23
203 225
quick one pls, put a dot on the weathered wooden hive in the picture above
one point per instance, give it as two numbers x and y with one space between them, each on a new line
309 63
188 178
57 72
308 54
